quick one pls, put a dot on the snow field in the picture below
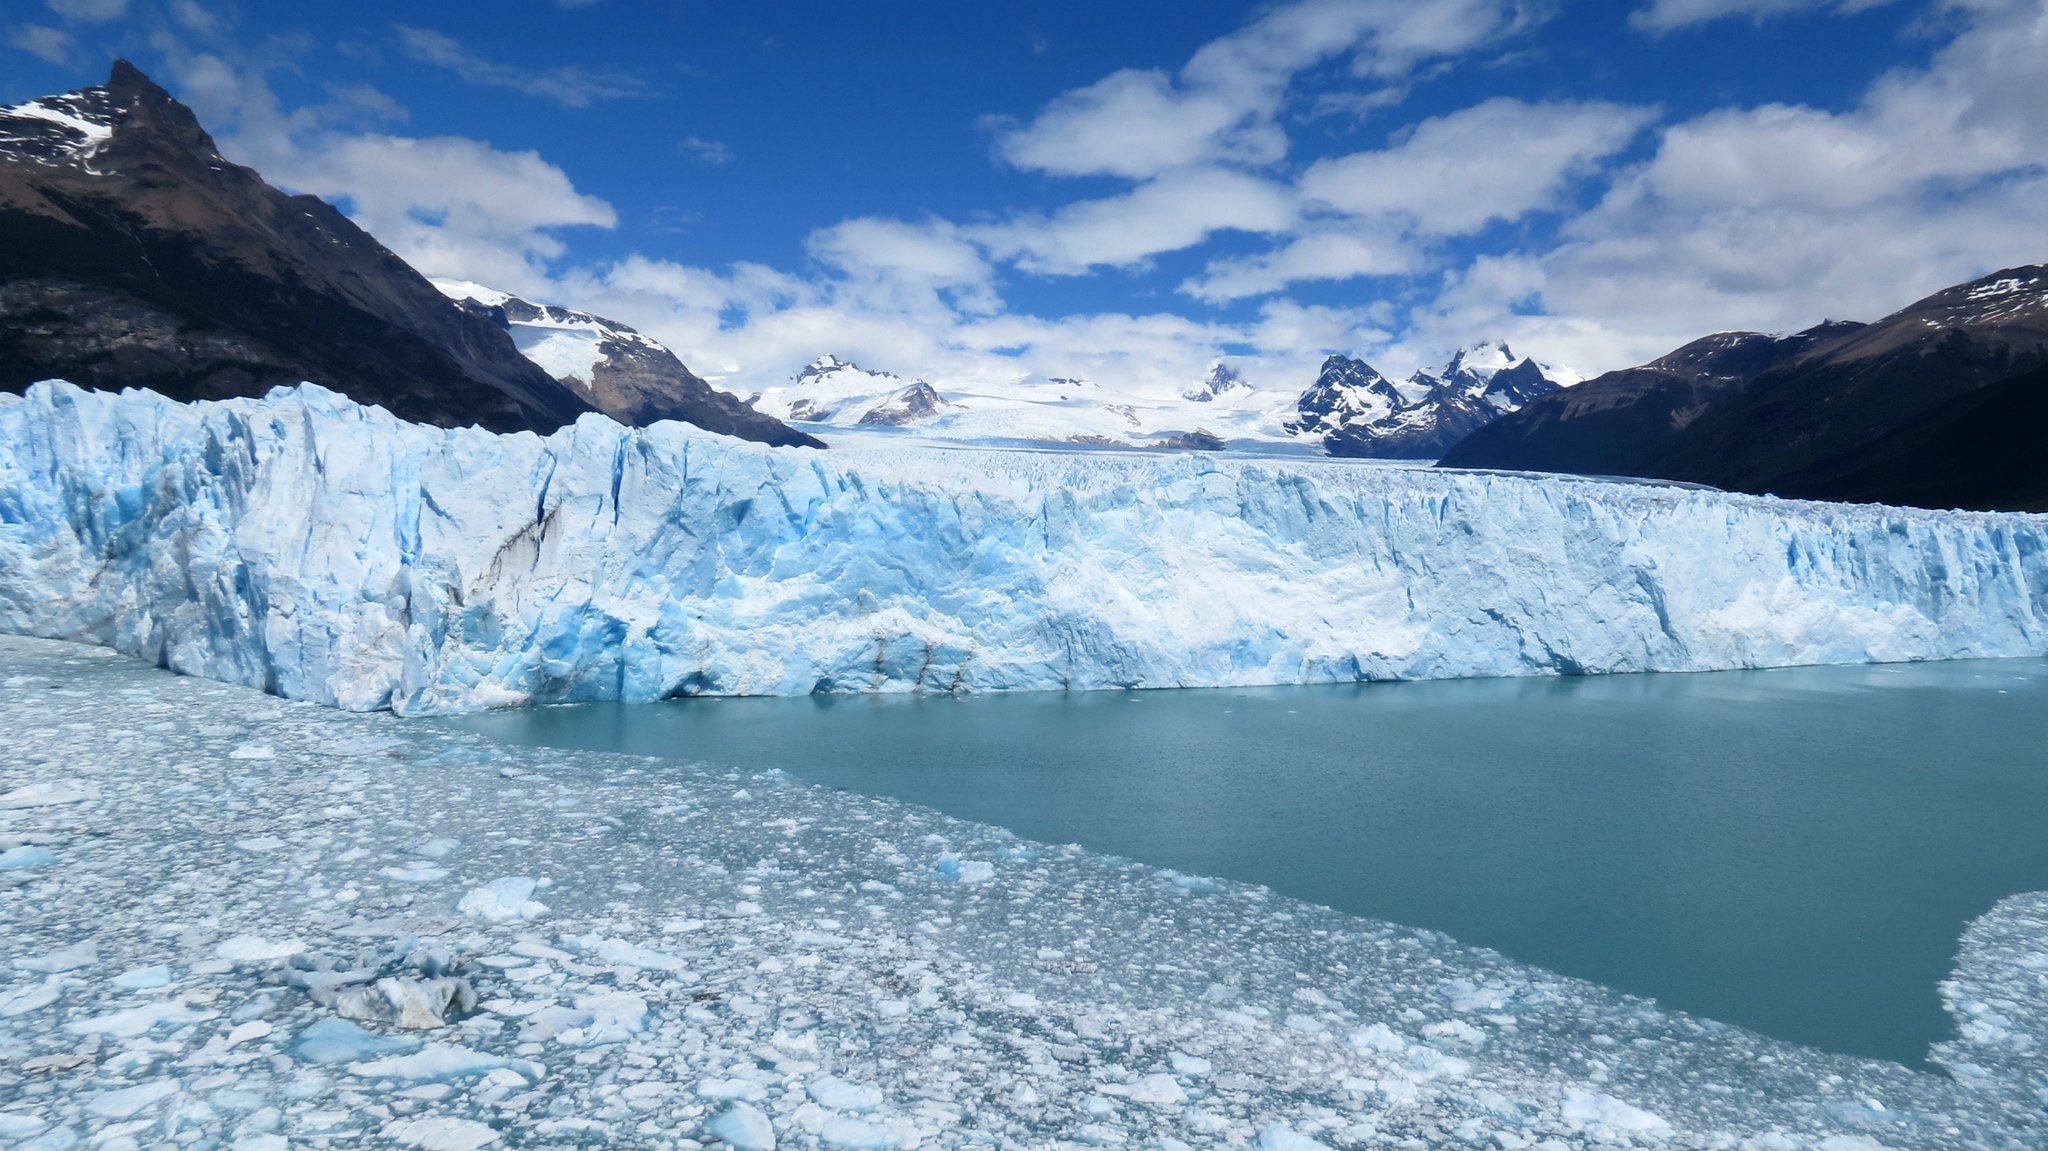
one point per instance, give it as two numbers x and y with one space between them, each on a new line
744 959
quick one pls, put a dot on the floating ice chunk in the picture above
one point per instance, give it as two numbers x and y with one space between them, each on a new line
137 1020
130 1101
442 1134
1185 1064
443 1063
743 1128
1378 1037
268 1141
1193 884
506 900
260 843
1455 1031
841 1095
25 858
339 1041
15 1125
256 949
1281 1137
36 996
46 794
1158 1089
84 953
437 848
420 1004
745 1089
857 1134
613 1018
966 870
623 954
416 873
143 978
546 1022
253 751
1588 1109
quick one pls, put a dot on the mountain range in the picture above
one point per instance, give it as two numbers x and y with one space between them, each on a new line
1356 411
1939 404
623 373
133 254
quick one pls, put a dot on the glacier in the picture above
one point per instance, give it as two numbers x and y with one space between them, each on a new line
326 551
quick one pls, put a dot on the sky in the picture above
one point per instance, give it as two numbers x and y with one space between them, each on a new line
1128 192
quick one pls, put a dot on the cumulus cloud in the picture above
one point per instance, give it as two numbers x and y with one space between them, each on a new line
1666 15
89 11
1497 160
569 86
1222 106
1331 251
1175 210
1778 216
1372 213
51 45
451 206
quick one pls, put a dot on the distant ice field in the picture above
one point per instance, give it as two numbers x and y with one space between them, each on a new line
325 551
200 883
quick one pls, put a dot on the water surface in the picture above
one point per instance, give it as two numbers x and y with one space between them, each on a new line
1795 851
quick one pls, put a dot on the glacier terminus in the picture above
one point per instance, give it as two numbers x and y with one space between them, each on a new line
327 551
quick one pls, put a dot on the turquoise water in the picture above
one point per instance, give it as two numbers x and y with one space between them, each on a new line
1795 851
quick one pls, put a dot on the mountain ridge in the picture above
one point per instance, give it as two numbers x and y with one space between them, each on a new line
1820 414
1359 412
133 254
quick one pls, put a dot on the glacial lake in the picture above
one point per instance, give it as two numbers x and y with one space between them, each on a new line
1795 851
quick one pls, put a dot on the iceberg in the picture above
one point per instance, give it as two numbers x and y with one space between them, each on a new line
327 551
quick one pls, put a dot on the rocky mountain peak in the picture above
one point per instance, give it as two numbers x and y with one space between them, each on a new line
130 114
1357 411
1222 380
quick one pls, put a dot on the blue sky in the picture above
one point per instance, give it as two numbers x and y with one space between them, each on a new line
1128 191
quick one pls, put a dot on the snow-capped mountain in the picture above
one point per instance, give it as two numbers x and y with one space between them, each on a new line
1939 404
623 373
132 254
1222 380
830 390
331 552
835 397
1356 411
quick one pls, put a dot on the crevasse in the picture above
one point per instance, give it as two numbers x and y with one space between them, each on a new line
330 552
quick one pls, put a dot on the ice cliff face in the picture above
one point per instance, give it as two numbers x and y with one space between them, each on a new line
330 552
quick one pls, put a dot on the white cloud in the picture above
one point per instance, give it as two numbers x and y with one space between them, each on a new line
1222 106
1450 175
1327 252
1176 210
450 206
51 45
1777 217
1666 15
570 86
89 11
713 152
1137 124
1497 160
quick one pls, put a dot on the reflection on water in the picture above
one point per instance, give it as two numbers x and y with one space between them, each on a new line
1795 851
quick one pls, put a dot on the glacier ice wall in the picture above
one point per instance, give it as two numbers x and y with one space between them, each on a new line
330 552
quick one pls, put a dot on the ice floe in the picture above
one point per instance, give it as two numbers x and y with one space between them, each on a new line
710 974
